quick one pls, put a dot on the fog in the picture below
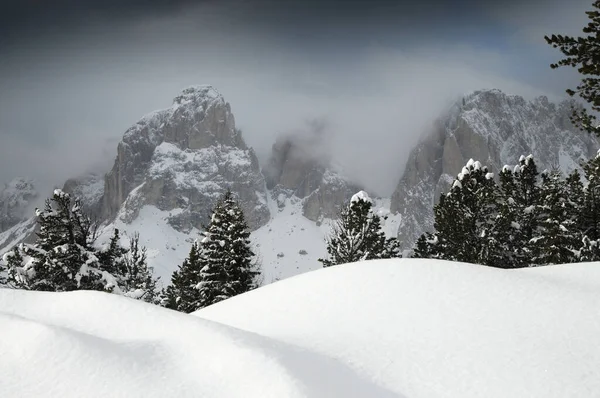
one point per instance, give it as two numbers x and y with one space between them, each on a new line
67 97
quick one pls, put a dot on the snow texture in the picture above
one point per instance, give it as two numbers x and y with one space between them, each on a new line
430 328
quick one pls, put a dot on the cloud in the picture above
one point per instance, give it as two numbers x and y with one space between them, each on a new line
532 20
64 102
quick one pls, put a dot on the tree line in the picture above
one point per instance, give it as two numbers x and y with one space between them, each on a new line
65 257
524 218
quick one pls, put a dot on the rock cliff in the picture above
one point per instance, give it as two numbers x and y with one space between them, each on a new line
494 128
181 159
300 166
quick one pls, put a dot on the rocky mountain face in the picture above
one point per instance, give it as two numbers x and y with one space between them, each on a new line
16 202
89 188
494 128
300 167
180 160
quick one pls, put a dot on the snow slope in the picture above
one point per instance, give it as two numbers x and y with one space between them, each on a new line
289 244
388 328
88 344
427 328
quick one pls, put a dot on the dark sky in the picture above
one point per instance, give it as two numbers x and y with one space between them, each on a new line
74 74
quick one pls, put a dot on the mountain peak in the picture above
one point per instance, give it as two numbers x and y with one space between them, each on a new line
198 94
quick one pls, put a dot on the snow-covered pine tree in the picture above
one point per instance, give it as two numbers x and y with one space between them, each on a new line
589 221
137 279
426 247
228 262
183 294
464 220
357 235
560 238
111 257
62 258
518 219
589 251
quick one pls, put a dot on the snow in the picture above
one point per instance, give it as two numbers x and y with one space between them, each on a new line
360 195
279 242
90 344
167 247
408 328
430 328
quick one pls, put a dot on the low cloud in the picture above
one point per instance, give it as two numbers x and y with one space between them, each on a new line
65 101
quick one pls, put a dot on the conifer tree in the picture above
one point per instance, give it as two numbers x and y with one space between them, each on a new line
559 238
464 221
590 250
137 277
583 53
228 262
590 208
519 217
357 235
62 259
183 293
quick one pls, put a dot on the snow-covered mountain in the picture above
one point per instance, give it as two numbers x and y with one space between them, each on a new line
494 128
174 163
379 329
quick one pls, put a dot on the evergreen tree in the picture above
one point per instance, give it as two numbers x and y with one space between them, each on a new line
519 216
137 280
583 53
465 221
112 257
62 259
559 238
225 253
183 293
589 222
590 250
357 235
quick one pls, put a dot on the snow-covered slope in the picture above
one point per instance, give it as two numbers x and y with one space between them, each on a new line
289 244
388 328
427 328
88 344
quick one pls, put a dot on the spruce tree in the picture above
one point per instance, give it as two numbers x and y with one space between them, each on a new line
357 235
62 258
228 262
583 53
183 293
137 279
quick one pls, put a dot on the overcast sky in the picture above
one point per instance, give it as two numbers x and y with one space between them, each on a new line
74 74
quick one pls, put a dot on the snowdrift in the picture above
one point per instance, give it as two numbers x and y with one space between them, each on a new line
393 328
89 344
427 328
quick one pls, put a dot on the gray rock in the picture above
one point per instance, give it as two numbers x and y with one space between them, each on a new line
89 188
495 129
300 167
182 159
17 200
